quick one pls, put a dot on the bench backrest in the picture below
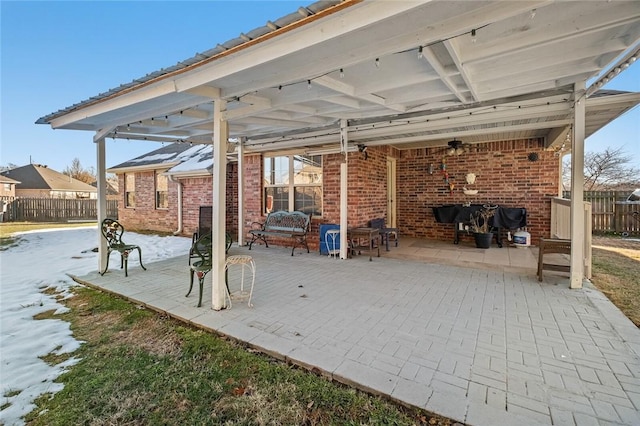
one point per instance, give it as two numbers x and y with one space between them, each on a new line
287 222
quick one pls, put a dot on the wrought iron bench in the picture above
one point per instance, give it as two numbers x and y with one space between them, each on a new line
549 246
112 231
294 225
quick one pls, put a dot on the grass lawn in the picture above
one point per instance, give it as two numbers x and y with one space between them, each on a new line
616 273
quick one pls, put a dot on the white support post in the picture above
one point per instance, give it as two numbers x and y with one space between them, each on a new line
344 141
577 188
220 137
101 181
240 192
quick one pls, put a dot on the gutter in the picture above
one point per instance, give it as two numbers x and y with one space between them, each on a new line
173 179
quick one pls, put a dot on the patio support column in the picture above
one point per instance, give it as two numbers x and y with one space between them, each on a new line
344 142
577 187
241 192
220 138
101 182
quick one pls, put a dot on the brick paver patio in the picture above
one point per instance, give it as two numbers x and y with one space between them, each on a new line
483 346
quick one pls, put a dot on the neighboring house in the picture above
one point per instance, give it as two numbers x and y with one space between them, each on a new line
7 186
112 188
37 181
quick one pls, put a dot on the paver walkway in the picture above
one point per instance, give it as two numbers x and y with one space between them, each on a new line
484 347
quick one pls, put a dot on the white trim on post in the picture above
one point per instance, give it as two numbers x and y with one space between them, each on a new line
577 188
240 192
220 137
344 223
101 183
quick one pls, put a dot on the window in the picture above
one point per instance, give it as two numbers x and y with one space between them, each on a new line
293 183
129 190
162 191
7 187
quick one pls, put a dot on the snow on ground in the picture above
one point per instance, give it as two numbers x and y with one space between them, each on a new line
40 260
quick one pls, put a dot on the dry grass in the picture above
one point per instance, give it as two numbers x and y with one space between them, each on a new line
616 272
9 228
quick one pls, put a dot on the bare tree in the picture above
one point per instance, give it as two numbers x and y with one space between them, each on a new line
76 171
609 169
9 166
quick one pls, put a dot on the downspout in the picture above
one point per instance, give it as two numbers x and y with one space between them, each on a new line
174 180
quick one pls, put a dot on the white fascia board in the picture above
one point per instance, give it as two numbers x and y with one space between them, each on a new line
189 174
144 168
599 101
133 97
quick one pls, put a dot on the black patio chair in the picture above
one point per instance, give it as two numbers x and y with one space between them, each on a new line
205 223
112 231
385 232
203 252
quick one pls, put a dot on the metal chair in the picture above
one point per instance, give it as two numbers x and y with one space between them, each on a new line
385 232
201 250
112 231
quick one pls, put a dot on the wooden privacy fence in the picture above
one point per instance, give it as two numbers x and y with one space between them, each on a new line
611 213
55 210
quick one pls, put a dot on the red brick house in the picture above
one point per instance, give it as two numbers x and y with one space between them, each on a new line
399 79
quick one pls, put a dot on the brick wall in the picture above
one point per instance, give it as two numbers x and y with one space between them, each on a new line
504 176
144 216
196 192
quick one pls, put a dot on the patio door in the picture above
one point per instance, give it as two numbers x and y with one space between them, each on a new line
391 192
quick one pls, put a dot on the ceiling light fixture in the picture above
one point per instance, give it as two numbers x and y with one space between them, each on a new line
456 147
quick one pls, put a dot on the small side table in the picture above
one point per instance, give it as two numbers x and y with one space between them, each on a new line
244 261
330 241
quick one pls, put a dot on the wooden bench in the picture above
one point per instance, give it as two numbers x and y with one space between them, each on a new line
549 246
294 225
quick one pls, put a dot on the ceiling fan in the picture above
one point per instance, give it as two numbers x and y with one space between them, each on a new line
457 147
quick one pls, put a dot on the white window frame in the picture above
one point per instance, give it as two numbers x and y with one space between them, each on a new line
291 185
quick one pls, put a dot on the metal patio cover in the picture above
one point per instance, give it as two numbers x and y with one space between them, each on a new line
408 74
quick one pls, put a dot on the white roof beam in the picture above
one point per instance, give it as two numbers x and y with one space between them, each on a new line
437 123
300 118
350 90
205 91
342 100
451 46
298 108
428 54
449 133
272 122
